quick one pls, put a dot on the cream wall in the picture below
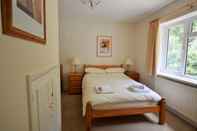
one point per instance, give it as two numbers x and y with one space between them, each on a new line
180 97
78 39
17 59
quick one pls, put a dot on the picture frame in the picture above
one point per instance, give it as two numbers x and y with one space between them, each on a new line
24 19
104 46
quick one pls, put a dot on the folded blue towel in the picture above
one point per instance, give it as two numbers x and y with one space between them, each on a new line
140 90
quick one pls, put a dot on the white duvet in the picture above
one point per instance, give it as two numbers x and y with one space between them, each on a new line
119 83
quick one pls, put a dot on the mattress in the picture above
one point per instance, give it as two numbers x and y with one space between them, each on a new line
121 96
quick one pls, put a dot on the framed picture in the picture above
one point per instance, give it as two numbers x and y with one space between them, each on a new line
24 19
104 46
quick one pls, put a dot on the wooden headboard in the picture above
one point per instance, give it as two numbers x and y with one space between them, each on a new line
103 66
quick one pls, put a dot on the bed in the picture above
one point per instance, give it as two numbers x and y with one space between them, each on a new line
120 103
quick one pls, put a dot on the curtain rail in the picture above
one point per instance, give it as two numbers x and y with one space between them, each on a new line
186 8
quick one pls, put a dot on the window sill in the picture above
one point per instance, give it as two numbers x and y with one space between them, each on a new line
178 79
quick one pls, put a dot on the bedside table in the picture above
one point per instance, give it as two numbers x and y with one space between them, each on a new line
75 82
133 75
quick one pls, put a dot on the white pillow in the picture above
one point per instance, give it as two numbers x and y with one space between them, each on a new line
115 70
94 70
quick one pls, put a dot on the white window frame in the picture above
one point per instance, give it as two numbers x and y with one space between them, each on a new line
164 37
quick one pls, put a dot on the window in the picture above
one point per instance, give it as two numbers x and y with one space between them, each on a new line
191 65
179 48
175 48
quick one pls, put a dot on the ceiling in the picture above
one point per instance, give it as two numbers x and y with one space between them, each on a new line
124 11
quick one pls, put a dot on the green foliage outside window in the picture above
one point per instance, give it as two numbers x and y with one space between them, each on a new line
175 54
191 68
175 45
194 26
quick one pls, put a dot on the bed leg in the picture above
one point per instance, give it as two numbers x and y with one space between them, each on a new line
162 105
88 116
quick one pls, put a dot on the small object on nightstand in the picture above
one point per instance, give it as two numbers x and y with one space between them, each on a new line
75 82
129 63
75 63
133 75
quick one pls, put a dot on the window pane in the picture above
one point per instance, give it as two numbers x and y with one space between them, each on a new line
194 26
175 48
191 68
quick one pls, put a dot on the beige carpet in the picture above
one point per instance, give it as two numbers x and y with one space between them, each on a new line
72 120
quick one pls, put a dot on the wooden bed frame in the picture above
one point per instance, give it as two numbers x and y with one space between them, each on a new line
92 113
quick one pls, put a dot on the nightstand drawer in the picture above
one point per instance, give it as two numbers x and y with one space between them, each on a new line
74 78
74 84
136 78
133 75
75 91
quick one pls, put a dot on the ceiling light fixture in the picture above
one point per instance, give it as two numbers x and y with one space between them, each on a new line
91 3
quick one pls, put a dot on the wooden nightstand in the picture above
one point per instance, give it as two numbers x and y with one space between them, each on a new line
75 83
133 75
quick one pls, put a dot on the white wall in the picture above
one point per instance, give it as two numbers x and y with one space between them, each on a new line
17 59
78 39
180 97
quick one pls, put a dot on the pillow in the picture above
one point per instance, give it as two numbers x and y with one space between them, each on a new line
115 70
94 70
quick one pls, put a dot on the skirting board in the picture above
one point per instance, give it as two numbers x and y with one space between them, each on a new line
181 116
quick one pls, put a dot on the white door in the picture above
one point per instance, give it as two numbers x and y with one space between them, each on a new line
44 92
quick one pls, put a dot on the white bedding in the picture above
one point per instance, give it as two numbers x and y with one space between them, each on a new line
119 83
